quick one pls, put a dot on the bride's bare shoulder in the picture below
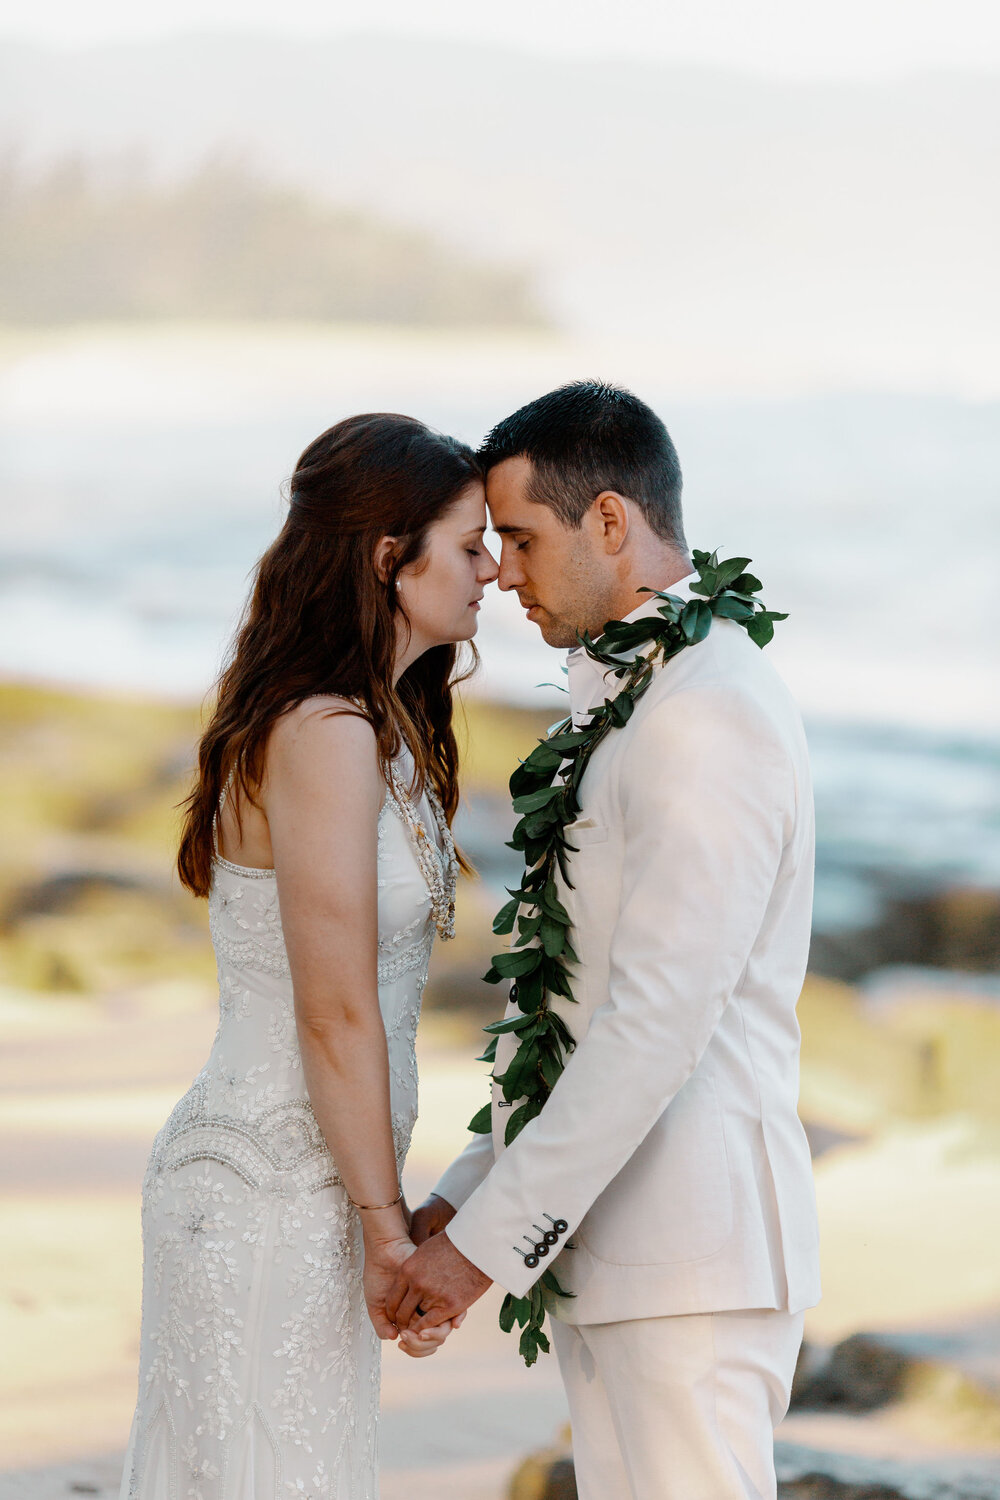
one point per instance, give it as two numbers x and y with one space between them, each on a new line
324 724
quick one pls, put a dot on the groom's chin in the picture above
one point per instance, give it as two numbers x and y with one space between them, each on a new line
556 633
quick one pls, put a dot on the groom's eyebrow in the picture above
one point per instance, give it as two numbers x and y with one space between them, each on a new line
510 530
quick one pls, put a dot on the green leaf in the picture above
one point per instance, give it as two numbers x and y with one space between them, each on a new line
549 901
510 1023
550 1282
621 709
519 961
482 1121
508 1312
540 824
535 800
544 757
531 992
503 922
553 936
551 1068
555 979
492 975
524 780
517 1080
746 584
728 607
490 1055
761 628
626 635
564 744
729 570
696 621
527 930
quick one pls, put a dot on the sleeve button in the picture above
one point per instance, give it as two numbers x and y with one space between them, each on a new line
531 1261
560 1226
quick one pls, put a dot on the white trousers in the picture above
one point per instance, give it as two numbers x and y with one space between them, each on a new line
680 1408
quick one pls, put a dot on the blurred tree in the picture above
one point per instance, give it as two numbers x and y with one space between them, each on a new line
80 244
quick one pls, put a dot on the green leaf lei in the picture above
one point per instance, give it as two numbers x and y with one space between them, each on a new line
545 788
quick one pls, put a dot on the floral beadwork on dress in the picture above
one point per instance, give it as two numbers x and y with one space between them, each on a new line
259 1367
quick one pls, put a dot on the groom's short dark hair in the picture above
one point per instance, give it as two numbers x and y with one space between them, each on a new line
587 437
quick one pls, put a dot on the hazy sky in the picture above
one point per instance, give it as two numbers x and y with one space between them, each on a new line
793 37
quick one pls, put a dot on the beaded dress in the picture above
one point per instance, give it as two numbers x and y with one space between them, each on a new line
259 1367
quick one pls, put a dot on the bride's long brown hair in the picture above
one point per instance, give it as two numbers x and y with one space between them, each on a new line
320 620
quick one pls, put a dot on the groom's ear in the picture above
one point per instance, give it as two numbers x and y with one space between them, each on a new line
610 518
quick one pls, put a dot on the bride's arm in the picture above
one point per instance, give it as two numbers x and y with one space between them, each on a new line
322 797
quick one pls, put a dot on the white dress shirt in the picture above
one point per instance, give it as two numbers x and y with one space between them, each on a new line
589 683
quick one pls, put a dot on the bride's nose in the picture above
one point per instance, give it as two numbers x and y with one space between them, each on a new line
488 571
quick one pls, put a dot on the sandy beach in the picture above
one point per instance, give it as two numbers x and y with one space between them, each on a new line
86 1085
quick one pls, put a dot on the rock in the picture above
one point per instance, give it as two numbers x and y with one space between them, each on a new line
547 1475
859 1374
947 928
803 1474
810 1474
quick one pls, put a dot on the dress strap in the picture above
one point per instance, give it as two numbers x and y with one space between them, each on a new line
218 811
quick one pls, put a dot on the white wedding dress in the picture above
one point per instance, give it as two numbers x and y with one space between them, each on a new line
259 1368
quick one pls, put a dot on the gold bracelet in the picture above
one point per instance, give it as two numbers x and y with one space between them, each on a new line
368 1206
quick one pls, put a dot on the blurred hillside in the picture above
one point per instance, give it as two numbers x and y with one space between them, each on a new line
90 788
78 244
834 232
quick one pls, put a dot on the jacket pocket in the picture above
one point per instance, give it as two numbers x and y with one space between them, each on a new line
584 833
672 1201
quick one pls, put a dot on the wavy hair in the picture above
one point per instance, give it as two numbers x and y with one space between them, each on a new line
319 619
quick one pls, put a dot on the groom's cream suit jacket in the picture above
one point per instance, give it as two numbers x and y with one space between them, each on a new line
669 1160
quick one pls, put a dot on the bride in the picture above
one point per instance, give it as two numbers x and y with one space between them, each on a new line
319 831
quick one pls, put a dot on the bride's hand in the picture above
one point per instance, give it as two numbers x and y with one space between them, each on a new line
383 1258
429 1340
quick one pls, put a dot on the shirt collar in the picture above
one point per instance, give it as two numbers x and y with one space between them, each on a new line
587 679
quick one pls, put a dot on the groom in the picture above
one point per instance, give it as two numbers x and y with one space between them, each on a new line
669 1161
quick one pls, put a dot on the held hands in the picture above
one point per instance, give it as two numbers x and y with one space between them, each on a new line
435 1284
385 1254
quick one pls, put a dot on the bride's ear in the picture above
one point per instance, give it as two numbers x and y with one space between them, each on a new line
383 555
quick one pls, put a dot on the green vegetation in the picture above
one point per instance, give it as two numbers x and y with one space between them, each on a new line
77 245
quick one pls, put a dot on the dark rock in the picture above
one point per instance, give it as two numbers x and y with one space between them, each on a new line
945 928
561 1481
809 1474
804 1474
860 1374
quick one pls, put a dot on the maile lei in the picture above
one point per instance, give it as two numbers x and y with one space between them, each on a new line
546 788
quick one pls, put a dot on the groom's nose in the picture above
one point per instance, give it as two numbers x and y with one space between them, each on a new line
511 575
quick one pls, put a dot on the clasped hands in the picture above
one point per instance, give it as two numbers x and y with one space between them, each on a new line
419 1289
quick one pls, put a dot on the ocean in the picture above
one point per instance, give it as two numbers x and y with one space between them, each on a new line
141 475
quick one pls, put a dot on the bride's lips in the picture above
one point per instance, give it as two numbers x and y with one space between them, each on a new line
474 603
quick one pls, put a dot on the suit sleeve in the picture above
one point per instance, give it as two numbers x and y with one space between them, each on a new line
467 1171
707 801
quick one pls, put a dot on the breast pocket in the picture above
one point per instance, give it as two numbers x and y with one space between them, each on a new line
586 832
